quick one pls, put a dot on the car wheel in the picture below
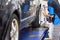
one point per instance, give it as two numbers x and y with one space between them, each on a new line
13 30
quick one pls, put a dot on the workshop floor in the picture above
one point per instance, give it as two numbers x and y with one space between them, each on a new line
33 34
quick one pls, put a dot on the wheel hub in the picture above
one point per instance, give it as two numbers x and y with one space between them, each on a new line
14 30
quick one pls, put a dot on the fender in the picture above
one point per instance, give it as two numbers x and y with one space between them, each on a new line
11 8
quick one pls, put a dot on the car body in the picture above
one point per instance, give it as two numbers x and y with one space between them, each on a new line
9 7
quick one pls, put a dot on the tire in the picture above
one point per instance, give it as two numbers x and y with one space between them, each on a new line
13 29
35 23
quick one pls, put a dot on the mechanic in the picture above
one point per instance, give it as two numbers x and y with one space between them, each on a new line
53 8
44 10
45 13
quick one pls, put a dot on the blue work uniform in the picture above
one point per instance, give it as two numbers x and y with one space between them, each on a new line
51 11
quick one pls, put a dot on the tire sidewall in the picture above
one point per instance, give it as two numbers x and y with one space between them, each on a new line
9 26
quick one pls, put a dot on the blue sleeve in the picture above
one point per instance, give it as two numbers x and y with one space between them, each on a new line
51 10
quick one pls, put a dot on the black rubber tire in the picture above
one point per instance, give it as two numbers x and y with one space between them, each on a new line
35 23
7 37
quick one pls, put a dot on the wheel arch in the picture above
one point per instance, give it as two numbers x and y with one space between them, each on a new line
16 12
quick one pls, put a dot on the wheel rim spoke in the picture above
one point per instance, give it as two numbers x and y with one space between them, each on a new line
14 30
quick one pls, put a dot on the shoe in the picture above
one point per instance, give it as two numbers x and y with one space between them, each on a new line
47 39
